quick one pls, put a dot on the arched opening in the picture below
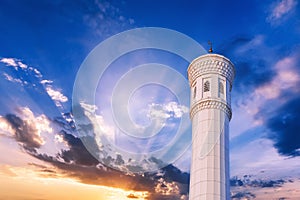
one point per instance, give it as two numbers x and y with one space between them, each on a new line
221 88
206 87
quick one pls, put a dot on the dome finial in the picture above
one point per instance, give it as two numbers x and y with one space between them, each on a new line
210 49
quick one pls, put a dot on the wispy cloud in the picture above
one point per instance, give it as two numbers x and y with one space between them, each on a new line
9 62
19 66
280 10
56 96
30 74
32 77
11 79
168 110
251 187
176 109
14 63
286 78
46 81
22 65
265 101
254 43
105 18
273 106
246 160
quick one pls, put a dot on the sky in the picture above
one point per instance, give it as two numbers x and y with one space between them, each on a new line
95 99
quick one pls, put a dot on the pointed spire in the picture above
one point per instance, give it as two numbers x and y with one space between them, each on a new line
210 49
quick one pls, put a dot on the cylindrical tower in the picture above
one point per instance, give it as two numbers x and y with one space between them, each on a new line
211 77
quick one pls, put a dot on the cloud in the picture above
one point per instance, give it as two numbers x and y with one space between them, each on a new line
25 133
165 111
176 109
5 127
166 188
77 153
17 64
31 130
56 96
262 84
91 124
243 195
14 63
249 181
136 152
6 170
285 126
36 72
280 10
76 162
171 183
286 78
157 111
46 81
278 106
104 17
27 128
249 44
31 80
9 62
22 65
100 138
244 159
24 72
252 70
249 187
11 79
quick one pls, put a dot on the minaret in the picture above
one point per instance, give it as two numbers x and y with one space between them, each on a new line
211 77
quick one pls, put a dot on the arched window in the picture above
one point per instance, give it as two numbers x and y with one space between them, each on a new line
221 88
206 86
195 92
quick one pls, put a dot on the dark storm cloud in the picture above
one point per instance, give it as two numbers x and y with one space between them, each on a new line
234 43
252 69
256 67
99 175
248 181
285 128
76 162
24 133
172 173
84 167
241 187
243 195
77 152
250 75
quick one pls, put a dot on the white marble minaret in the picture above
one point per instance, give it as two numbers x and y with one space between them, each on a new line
210 78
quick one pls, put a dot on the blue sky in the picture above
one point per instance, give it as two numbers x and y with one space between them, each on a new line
44 43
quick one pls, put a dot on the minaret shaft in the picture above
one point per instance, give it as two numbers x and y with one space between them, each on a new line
211 78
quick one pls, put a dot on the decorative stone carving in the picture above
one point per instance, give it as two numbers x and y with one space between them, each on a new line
210 104
213 64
